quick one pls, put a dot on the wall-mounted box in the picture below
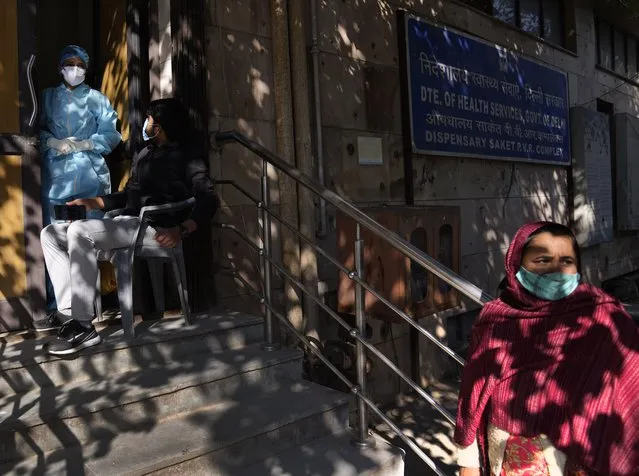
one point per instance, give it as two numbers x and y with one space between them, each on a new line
593 209
434 230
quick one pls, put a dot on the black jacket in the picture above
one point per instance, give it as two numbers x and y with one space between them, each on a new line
164 174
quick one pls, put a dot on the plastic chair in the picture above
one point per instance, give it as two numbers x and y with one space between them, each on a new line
123 258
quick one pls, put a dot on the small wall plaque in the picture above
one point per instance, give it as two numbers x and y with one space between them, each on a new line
369 151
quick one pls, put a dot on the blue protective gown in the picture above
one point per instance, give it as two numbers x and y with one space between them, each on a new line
81 113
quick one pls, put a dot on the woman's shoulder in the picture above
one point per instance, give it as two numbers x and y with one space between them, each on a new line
596 295
496 307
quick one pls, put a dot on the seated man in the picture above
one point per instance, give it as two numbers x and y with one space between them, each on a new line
162 172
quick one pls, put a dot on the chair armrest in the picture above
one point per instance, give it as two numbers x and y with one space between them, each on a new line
114 213
152 210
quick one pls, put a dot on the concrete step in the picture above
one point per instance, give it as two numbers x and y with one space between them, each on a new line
220 439
54 417
25 367
329 456
420 422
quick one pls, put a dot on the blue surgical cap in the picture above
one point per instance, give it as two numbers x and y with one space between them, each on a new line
71 51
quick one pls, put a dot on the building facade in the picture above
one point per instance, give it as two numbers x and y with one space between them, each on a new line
325 84
593 43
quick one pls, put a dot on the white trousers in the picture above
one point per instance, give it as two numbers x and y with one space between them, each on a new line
70 254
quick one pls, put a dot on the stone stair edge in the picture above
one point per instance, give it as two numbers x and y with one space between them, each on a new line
319 402
130 394
113 340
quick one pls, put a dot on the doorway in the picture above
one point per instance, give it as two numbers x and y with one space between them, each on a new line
30 43
116 35
98 26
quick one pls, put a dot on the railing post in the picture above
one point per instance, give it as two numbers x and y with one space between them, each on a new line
361 438
269 338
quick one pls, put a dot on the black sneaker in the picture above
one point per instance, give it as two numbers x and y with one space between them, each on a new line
72 338
52 320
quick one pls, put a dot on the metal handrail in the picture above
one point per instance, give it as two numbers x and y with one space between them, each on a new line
464 286
343 269
354 388
353 332
240 189
267 264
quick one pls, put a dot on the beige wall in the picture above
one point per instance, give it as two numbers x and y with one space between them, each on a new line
13 264
241 97
9 90
13 269
160 49
113 59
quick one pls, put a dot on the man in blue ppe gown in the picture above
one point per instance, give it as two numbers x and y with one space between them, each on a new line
77 128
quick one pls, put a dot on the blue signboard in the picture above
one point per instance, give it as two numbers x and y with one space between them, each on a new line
470 98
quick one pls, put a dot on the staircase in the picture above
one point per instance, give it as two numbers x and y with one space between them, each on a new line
204 399
207 399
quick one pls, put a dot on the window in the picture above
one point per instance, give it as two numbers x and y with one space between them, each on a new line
553 21
542 18
618 51
633 57
483 5
605 46
505 11
530 16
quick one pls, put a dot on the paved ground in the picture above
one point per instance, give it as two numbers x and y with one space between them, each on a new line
426 427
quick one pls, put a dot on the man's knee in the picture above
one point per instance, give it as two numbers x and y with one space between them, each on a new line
45 233
53 235
78 232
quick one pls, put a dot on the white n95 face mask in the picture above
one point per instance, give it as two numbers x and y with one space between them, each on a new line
74 75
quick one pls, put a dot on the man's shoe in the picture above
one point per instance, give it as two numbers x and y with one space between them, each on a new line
72 338
53 320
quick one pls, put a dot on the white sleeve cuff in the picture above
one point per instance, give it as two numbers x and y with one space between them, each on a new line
468 457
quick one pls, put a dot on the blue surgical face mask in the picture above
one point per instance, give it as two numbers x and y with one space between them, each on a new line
146 136
551 286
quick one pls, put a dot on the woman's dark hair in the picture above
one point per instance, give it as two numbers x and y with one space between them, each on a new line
556 229
171 114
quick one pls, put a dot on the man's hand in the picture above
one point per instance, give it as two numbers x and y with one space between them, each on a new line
95 203
469 472
168 237
190 225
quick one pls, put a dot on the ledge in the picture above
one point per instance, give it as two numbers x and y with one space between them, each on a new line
633 80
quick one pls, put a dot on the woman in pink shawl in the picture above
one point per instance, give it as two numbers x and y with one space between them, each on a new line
552 383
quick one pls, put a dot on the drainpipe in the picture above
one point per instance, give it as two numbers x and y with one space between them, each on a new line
304 157
285 140
319 148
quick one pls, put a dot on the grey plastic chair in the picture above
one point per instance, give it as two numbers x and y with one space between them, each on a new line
123 258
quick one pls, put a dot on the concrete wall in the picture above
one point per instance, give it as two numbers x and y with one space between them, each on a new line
241 97
360 73
160 49
360 96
